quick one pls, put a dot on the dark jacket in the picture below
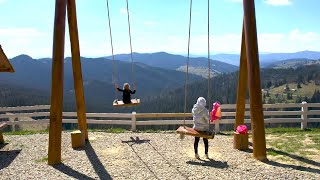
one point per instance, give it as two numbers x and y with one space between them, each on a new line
126 96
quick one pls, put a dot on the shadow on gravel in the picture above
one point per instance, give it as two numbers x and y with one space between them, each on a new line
6 157
71 172
136 141
297 158
3 145
96 163
300 168
210 163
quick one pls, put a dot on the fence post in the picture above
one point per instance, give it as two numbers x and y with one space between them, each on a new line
304 116
133 121
217 126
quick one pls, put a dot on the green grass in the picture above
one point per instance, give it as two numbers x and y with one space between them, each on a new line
111 130
292 131
291 141
26 132
44 159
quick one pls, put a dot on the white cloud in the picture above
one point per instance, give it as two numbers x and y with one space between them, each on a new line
123 11
278 2
2 1
38 44
21 32
236 1
149 23
292 41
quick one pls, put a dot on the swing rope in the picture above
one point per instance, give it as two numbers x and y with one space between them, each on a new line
187 71
113 60
132 67
188 59
209 61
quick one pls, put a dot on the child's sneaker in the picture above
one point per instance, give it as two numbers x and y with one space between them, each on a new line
207 156
197 156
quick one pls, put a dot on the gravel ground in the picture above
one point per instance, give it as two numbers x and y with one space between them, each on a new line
140 156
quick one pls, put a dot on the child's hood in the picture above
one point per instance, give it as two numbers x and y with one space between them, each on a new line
199 106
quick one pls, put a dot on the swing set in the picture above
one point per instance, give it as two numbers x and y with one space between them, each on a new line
116 102
249 76
184 130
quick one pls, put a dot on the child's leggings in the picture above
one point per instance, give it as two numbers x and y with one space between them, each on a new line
206 145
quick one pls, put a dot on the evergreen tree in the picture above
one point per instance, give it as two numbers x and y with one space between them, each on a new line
298 85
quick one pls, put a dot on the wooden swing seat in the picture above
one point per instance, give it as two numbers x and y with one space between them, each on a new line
191 132
134 102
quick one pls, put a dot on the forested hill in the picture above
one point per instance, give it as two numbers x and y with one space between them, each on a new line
171 99
224 89
165 60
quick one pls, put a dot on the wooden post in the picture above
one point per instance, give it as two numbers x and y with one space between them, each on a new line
1 138
257 121
76 66
217 126
242 84
133 122
77 139
240 141
304 116
54 154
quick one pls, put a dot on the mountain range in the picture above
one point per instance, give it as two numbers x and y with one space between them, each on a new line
267 59
157 75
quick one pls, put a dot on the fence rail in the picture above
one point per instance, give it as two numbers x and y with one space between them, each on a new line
274 113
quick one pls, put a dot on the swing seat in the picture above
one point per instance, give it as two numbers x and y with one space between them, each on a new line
134 102
192 132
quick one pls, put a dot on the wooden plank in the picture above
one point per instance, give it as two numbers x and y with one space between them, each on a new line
162 115
134 102
313 112
36 114
164 122
106 115
191 132
54 152
44 121
282 113
24 108
5 65
313 120
94 121
313 104
282 105
283 120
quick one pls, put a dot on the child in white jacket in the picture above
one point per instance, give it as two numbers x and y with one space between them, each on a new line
200 123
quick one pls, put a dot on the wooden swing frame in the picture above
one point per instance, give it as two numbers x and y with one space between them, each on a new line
249 74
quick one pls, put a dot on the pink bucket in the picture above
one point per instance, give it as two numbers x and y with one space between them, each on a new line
242 129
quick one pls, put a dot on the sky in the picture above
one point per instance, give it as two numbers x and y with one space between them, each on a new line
26 26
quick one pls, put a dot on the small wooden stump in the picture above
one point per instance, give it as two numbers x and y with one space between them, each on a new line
2 125
240 141
77 139
1 138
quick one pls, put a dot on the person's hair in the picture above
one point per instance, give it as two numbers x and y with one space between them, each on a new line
126 85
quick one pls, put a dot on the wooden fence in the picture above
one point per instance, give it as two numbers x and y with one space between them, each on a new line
303 113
